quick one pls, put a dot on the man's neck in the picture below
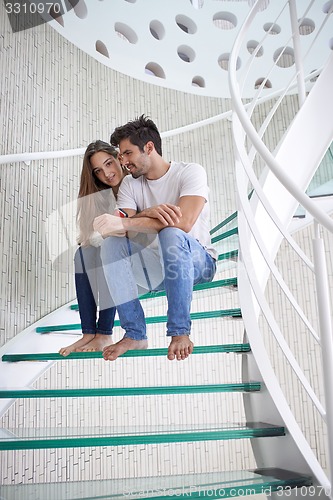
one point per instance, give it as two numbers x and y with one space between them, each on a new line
157 171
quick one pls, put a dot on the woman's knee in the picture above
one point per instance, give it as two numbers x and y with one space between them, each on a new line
85 258
113 248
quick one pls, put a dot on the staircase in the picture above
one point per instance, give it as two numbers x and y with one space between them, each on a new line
150 416
179 439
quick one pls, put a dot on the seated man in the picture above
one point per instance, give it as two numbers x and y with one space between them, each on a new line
163 244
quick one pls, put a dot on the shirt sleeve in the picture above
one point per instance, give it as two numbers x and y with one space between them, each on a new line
194 181
126 198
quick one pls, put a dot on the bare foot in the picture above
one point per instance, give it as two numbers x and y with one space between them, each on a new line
112 352
97 343
180 347
87 337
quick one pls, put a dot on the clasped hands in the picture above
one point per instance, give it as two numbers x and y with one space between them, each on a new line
113 225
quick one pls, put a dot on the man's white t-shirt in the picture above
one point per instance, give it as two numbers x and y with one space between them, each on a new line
181 179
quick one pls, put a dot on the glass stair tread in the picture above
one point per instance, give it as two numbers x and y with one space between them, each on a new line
220 313
228 282
230 221
231 255
128 391
230 232
44 356
209 485
38 438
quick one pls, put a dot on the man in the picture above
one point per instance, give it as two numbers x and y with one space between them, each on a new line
163 244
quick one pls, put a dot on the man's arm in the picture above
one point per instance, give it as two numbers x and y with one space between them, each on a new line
166 213
110 225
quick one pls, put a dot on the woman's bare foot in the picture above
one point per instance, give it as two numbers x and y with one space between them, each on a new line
112 352
180 347
97 343
87 337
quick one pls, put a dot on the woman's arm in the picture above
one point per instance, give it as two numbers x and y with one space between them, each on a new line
189 207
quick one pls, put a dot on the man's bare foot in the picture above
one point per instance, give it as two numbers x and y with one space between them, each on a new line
112 352
97 343
180 347
87 337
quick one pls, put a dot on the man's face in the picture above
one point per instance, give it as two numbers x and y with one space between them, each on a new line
136 161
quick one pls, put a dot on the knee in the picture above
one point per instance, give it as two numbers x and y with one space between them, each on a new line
170 235
113 248
77 262
84 258
173 243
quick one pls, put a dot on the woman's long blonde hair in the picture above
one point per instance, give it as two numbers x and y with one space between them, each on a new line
94 196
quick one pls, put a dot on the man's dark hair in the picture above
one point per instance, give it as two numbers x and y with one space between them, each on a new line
139 132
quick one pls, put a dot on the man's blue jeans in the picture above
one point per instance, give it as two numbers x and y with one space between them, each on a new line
180 263
91 289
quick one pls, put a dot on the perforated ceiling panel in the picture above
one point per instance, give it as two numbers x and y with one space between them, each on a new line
186 44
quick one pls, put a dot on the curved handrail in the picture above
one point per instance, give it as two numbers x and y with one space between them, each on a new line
262 149
49 155
252 245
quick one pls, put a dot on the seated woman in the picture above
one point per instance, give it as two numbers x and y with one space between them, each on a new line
101 176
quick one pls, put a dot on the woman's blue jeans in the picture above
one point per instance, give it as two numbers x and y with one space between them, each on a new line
180 263
92 292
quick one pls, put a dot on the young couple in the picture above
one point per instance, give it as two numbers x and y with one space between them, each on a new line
162 244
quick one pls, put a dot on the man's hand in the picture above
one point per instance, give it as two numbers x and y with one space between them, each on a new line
166 213
109 225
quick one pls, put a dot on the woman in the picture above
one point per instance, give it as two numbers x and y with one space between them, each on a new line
101 171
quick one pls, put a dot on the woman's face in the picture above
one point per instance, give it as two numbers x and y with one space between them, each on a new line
106 168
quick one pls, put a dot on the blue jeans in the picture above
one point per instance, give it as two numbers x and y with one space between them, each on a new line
180 263
92 289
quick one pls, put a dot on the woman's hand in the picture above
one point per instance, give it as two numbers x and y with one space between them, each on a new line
109 225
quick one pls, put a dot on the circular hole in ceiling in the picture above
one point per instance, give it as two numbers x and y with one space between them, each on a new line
314 79
154 69
197 4
198 81
328 7
272 28
186 53
101 48
223 61
262 5
186 24
284 57
252 46
80 8
262 81
157 29
56 17
225 20
306 27
125 32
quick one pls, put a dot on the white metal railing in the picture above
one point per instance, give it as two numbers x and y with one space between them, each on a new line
263 222
27 158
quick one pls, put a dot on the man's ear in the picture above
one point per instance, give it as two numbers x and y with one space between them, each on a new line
149 147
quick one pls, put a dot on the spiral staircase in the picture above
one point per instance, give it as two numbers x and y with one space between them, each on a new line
249 274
